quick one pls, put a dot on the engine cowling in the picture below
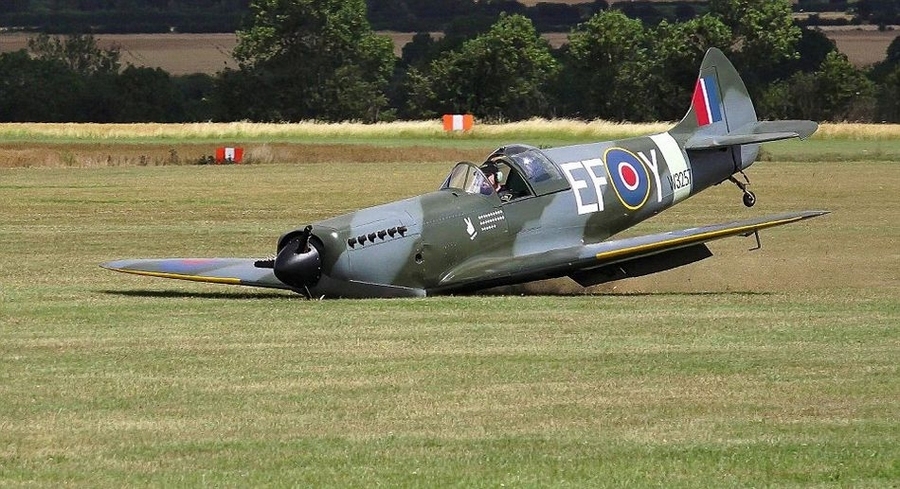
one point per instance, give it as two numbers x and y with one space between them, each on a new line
298 263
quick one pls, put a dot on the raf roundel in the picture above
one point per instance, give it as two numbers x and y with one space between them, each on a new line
629 177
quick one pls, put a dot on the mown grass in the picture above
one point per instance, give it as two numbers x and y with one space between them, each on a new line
774 367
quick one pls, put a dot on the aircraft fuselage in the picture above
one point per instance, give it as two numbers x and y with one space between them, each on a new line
573 196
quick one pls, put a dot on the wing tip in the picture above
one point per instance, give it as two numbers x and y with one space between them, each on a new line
814 213
115 265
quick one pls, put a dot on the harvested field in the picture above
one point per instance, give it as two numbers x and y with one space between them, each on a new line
178 54
863 46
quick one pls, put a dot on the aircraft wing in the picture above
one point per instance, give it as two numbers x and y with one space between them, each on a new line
676 248
233 271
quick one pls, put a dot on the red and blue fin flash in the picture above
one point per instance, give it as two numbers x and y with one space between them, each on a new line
706 100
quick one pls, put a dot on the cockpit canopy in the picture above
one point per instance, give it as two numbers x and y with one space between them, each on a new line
469 178
521 171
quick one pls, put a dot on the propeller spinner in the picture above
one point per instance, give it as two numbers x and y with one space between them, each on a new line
298 263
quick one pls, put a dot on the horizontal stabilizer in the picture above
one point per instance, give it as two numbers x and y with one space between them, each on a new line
232 271
754 133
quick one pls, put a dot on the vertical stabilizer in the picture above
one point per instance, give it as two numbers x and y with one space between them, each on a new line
720 103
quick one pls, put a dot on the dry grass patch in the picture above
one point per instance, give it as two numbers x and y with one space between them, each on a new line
853 131
80 155
309 130
100 145
430 132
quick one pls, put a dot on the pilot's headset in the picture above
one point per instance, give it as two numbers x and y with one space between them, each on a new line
489 169
495 169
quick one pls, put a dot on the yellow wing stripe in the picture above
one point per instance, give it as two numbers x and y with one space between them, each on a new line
692 239
179 276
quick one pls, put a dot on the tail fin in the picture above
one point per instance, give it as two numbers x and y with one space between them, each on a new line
722 113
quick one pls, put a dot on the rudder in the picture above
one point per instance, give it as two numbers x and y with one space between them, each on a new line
720 103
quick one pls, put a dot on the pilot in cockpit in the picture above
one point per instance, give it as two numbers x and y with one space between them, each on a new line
494 177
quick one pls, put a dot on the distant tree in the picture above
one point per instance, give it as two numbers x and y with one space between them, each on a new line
678 50
846 93
598 6
502 74
649 13
812 49
79 52
889 97
435 14
148 94
315 59
197 90
794 98
10 6
795 92
880 12
422 48
881 70
38 90
553 16
242 95
764 35
893 52
604 69
685 12
391 14
837 91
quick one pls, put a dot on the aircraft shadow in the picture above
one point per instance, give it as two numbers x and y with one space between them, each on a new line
569 293
178 294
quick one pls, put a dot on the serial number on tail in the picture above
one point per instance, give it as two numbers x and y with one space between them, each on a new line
681 179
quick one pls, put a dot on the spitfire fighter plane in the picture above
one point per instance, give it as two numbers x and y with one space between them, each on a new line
527 214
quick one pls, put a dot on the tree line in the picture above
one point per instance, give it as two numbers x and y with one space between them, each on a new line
322 60
143 16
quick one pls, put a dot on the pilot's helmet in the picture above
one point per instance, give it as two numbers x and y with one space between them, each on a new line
491 169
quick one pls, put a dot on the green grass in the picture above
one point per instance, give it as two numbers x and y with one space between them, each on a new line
771 368
823 149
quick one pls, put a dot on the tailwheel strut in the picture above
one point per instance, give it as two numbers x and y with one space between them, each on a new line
749 197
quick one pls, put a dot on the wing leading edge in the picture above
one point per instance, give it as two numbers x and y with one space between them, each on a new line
487 271
589 264
231 271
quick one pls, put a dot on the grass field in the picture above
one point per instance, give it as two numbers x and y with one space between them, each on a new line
776 367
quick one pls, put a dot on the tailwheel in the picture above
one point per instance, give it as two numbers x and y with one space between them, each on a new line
749 197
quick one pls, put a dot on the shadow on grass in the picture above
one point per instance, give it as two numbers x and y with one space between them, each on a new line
551 291
178 294
498 292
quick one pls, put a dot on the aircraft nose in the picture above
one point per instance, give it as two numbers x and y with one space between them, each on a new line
298 263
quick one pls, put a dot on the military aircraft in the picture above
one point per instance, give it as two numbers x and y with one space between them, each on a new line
527 214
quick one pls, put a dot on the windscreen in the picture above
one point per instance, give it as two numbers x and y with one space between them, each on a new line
468 178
